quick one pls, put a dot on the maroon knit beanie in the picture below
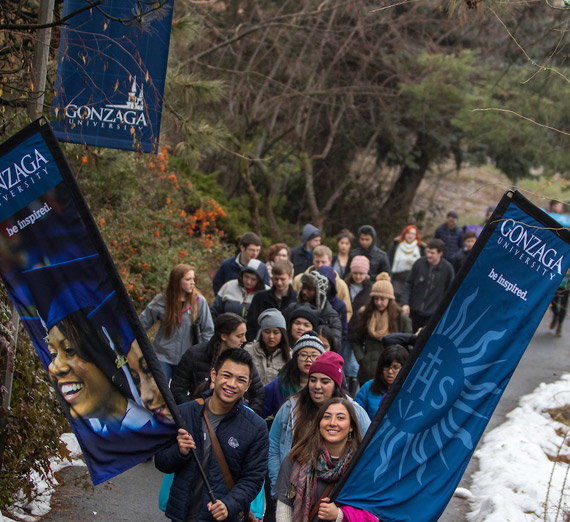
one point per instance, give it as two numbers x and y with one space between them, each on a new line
329 363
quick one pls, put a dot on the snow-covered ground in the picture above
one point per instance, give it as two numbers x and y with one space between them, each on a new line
517 479
45 486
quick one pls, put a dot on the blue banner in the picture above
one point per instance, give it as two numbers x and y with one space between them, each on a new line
110 78
72 302
429 424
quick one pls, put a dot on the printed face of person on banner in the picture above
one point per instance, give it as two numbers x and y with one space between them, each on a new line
89 365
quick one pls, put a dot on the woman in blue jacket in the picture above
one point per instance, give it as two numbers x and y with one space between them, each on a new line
389 365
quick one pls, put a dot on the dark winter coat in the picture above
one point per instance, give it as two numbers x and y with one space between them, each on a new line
337 303
262 301
453 239
358 302
327 315
426 285
367 350
300 256
377 257
244 441
194 369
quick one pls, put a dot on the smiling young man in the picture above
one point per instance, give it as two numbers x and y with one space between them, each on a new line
279 296
193 371
243 439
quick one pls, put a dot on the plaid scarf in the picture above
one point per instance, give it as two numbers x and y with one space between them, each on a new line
305 477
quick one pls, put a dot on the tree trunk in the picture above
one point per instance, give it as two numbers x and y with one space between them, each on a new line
397 208
245 174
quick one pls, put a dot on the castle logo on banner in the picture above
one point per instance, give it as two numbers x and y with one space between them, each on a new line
111 75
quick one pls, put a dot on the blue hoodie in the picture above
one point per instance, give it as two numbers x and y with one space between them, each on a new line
300 256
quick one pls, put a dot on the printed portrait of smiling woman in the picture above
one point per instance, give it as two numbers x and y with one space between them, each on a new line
76 369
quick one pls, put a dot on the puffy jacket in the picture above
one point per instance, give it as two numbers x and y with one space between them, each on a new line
267 364
368 400
194 369
244 441
230 269
377 257
233 297
172 349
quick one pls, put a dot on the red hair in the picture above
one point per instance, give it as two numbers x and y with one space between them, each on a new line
406 230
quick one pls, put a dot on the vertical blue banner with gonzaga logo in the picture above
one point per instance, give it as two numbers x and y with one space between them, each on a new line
111 74
72 302
428 426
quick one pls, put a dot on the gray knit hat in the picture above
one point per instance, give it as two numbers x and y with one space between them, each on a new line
270 318
309 339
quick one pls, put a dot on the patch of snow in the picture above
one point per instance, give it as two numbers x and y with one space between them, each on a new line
44 484
516 481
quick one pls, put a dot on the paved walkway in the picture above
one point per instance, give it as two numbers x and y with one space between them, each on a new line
133 496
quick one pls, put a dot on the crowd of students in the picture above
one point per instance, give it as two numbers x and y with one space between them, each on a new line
312 341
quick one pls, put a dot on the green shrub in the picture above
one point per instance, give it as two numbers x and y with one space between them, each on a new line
30 429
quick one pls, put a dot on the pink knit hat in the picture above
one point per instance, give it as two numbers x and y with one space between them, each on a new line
329 363
360 264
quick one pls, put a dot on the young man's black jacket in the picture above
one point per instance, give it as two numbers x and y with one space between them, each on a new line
244 440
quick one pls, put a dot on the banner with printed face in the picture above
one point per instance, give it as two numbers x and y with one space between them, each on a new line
72 302
111 73
422 438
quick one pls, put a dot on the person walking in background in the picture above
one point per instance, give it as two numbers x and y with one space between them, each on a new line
427 284
359 285
280 296
183 316
301 317
236 295
373 391
451 235
230 268
295 374
341 260
322 256
270 350
405 251
192 375
301 256
379 262
469 239
277 252
379 317
559 305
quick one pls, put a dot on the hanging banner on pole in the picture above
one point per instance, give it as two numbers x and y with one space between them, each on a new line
111 74
422 438
73 304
